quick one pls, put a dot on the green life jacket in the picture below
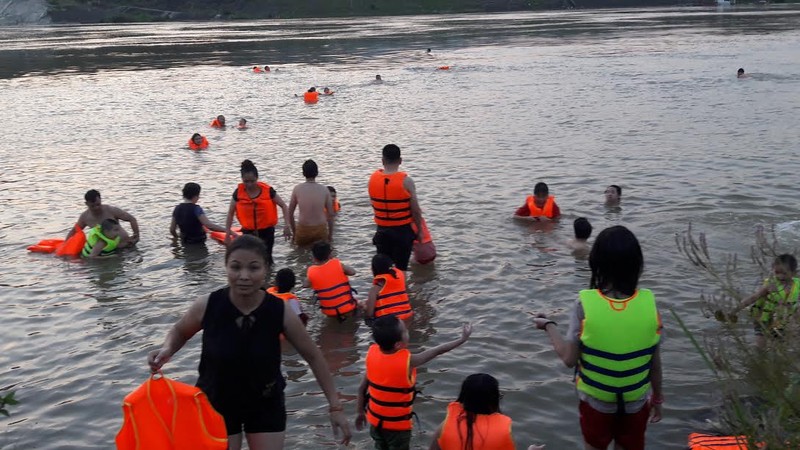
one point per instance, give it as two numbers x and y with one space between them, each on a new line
94 235
774 309
618 340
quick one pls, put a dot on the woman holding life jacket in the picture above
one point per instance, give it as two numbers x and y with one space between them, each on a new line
240 357
255 204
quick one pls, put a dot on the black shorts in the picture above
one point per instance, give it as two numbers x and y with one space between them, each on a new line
268 236
396 242
267 416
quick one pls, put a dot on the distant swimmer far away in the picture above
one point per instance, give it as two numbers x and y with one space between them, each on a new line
257 69
327 91
219 122
242 125
378 79
740 74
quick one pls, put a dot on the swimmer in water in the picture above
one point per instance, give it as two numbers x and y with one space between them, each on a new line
378 79
266 69
219 122
327 91
242 124
613 195
740 74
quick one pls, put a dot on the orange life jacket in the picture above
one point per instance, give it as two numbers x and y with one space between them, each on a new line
391 202
336 206
393 298
547 211
311 97
700 441
391 388
162 414
489 431
203 144
332 288
215 123
257 69
285 296
256 213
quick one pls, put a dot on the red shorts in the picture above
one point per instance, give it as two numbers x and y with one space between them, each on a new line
627 430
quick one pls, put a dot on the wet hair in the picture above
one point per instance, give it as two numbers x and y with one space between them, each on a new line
266 68
617 188
312 89
248 242
541 188
740 71
243 120
221 118
91 195
310 169
429 50
787 261
191 190
248 167
321 250
285 280
391 153
196 135
331 189
616 261
108 224
480 394
377 77
382 265
583 229
386 332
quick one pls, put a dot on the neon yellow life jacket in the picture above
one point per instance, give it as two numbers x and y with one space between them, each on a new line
775 308
94 235
618 339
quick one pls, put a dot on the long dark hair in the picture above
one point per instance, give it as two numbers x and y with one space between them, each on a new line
480 394
616 261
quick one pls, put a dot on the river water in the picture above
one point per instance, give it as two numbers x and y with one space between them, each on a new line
647 99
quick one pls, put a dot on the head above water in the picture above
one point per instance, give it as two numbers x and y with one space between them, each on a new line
613 194
242 122
321 251
285 280
326 90
250 243
197 138
221 119
616 261
390 333
480 394
378 78
266 68
740 72
248 171
191 190
583 229
310 169
391 154
312 89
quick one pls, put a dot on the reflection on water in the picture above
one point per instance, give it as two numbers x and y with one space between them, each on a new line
646 99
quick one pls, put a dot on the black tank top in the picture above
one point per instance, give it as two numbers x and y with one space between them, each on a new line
191 229
240 361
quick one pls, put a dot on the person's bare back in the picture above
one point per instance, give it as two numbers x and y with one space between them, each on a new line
312 199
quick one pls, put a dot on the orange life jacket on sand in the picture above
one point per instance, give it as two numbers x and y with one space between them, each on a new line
546 211
256 213
391 202
311 97
203 144
332 288
162 414
393 298
489 431
700 441
391 389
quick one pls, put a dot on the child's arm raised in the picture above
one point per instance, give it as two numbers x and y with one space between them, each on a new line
423 357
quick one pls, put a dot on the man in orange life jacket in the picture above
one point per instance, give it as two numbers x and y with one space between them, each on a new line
540 206
389 385
394 203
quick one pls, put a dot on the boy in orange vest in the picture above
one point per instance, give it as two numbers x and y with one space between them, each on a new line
284 283
540 206
328 277
389 385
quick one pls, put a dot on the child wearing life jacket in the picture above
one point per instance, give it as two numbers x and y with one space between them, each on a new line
388 294
284 283
189 218
775 303
474 421
102 239
198 142
388 389
336 205
219 122
540 206
328 277
613 339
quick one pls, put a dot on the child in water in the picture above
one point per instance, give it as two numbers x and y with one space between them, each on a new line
613 339
580 245
388 294
102 239
242 125
539 206
189 218
284 283
388 388
335 200
775 303
328 277
219 122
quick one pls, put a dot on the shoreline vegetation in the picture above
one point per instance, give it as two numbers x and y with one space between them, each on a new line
115 11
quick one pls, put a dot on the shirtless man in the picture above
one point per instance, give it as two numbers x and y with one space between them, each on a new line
96 212
315 220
